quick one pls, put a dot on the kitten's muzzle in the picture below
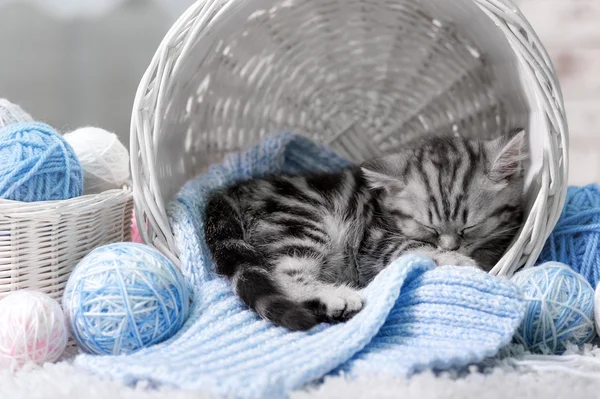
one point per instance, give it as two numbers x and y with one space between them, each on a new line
449 242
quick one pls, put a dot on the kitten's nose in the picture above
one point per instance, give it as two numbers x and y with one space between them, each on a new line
448 242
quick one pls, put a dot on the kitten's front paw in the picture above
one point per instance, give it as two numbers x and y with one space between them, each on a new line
453 259
337 303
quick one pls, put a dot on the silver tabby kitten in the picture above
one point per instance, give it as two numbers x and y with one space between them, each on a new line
298 249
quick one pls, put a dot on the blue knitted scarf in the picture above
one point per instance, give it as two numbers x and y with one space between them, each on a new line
416 316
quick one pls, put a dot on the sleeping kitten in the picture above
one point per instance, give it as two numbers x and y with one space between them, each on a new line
299 248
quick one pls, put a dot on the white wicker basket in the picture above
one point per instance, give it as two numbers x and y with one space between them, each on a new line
41 242
363 76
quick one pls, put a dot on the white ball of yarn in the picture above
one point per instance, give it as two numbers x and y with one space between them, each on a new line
32 329
597 307
104 159
12 113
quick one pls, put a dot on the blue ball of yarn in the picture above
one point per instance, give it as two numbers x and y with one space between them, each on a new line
123 297
37 164
559 308
575 239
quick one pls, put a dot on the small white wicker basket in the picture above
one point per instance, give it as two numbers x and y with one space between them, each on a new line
363 76
41 242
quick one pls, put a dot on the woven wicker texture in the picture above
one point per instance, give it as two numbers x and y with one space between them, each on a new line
41 242
362 76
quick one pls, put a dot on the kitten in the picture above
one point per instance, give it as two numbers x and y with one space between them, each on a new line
298 249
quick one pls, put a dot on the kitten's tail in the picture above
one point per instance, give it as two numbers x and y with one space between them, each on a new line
246 267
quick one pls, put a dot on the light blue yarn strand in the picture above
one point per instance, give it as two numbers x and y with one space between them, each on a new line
416 316
37 164
124 290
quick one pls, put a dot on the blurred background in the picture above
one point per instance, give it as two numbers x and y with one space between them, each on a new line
72 63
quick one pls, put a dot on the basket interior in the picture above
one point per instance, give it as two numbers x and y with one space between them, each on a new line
362 76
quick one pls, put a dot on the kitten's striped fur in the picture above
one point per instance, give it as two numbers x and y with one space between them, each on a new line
299 248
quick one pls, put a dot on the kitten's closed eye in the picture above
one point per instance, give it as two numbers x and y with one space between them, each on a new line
470 230
423 232
432 231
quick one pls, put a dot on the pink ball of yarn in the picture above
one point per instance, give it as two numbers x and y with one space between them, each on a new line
135 233
32 329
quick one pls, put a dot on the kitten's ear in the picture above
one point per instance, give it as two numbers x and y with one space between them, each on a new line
508 153
385 172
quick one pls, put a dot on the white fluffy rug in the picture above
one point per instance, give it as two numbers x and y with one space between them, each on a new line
574 377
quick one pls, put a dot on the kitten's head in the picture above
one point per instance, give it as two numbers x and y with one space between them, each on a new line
458 194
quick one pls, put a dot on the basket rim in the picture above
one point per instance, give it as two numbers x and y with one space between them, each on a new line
78 204
149 207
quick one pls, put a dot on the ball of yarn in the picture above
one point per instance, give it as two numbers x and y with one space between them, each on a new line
575 239
105 161
559 308
12 113
123 297
597 308
37 164
32 329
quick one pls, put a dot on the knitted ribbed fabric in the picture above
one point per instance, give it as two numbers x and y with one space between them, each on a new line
416 316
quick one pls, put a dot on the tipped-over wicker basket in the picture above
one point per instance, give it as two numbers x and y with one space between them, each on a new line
41 242
363 76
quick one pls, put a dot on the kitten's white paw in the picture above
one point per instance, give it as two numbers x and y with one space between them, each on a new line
453 259
340 303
